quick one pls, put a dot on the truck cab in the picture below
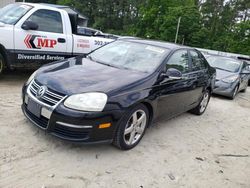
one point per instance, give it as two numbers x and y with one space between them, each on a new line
35 34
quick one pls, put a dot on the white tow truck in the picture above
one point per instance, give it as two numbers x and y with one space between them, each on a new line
35 34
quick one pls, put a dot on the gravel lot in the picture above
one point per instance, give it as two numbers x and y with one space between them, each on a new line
188 151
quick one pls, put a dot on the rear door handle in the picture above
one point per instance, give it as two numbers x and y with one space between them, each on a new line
61 40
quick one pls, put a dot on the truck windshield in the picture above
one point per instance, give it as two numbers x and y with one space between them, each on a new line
13 12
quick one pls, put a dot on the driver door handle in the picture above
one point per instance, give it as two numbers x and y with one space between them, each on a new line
61 40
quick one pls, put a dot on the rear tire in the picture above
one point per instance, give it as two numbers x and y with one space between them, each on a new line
244 90
2 63
202 106
132 128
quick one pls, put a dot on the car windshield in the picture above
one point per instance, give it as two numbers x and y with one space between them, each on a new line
130 55
226 64
13 12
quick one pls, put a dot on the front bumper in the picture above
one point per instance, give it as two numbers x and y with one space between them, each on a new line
225 89
73 125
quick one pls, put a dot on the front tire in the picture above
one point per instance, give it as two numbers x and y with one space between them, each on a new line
234 93
132 128
202 106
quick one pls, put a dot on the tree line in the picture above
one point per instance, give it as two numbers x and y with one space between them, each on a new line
222 25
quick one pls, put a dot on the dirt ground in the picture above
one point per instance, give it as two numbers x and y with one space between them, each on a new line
212 150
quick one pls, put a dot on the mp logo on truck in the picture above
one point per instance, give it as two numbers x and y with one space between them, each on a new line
39 42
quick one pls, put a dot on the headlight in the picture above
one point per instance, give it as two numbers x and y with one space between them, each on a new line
92 102
230 79
31 78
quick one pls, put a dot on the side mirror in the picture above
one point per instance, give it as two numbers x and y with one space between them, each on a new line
173 74
29 25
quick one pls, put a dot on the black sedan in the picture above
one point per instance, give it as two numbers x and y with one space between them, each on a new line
232 75
114 93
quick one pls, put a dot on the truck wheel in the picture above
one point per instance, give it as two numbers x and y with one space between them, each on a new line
2 64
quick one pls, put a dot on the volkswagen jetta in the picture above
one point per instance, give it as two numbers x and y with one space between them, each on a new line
114 93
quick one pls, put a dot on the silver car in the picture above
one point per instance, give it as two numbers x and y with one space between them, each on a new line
232 75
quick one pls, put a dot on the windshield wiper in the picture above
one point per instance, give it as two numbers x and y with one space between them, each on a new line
110 65
91 58
222 69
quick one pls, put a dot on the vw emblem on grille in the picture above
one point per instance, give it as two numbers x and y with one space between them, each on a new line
41 91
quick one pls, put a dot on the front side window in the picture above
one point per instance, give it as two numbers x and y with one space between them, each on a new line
197 61
130 55
179 61
13 12
47 20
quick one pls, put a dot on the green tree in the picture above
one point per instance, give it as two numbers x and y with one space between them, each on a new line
214 24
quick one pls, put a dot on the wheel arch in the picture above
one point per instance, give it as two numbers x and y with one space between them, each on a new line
150 110
210 89
4 54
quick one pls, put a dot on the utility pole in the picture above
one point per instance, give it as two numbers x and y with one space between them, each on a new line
177 29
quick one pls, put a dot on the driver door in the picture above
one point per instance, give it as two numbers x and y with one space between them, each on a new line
173 94
47 43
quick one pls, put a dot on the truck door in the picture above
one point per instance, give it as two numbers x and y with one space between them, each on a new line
86 44
45 44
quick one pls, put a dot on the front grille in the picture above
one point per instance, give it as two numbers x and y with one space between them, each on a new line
41 122
50 97
71 133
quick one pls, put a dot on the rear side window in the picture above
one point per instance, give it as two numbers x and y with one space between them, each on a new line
47 20
248 67
198 62
179 61
245 66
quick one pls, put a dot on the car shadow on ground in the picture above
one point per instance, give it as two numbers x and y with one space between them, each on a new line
92 148
220 97
240 94
15 75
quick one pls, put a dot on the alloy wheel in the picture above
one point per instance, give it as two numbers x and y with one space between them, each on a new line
235 91
135 127
204 102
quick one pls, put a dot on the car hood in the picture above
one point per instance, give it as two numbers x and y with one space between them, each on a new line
80 75
220 74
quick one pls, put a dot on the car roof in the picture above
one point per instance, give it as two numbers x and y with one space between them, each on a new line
68 9
161 44
54 5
